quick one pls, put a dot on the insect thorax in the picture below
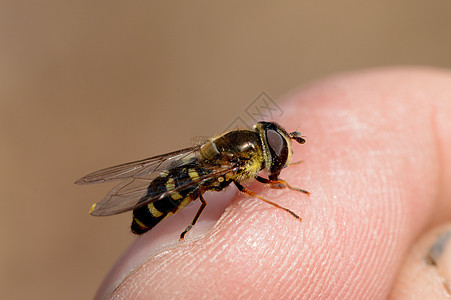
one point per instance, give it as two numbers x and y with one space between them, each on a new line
241 148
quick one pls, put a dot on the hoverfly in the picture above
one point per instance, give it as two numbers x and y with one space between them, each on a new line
157 187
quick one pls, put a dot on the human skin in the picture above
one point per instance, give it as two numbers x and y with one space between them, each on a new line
378 166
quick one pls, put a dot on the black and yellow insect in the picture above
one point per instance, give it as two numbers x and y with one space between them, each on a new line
157 187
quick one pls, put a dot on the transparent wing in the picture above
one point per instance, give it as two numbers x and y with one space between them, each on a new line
131 193
153 165
199 140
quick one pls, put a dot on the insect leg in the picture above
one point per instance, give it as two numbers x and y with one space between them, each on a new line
295 163
280 184
201 208
252 194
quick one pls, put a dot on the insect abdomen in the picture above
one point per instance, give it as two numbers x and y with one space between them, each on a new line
147 216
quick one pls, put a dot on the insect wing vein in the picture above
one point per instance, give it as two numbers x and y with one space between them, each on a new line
137 168
131 193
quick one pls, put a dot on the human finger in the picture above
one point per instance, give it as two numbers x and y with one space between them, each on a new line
375 168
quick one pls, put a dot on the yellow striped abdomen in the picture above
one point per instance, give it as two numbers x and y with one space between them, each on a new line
176 197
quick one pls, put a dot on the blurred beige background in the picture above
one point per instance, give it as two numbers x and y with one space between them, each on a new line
86 85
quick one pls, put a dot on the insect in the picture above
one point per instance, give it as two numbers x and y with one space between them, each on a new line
157 187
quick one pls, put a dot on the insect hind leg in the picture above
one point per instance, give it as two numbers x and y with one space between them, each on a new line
199 212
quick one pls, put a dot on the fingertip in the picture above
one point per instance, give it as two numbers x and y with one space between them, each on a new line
370 165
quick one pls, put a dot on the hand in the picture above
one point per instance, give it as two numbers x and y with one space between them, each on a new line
377 163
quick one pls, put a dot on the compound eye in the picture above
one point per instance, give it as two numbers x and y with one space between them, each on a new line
279 151
276 142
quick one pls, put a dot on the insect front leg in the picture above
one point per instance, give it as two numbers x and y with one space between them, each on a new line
280 184
201 208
